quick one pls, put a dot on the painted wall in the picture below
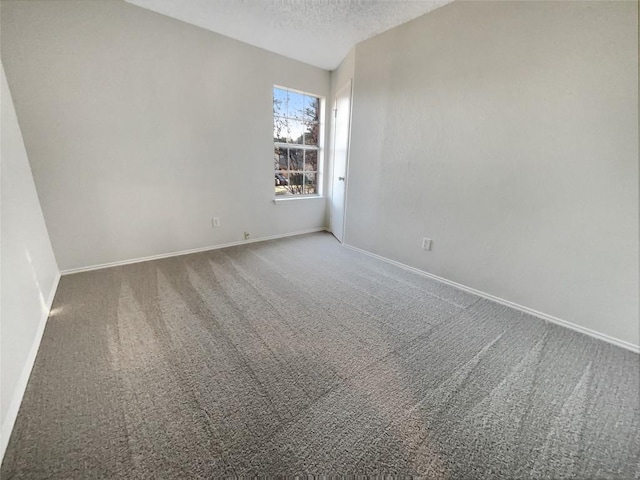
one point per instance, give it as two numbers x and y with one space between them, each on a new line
141 128
29 273
508 133
341 75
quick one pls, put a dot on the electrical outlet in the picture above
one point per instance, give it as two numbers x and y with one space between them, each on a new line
215 221
426 243
246 235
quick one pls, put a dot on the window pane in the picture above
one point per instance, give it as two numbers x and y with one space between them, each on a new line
310 181
295 185
311 133
295 179
282 179
282 183
311 109
295 105
311 160
279 102
295 131
296 159
281 166
280 159
280 128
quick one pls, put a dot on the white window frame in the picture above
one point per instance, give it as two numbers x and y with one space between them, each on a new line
319 148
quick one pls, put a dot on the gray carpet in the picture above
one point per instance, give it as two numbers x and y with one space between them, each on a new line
298 356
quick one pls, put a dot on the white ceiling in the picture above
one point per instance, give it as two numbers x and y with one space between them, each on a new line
318 32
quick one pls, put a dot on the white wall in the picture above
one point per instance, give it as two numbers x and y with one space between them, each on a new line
140 128
508 133
29 273
341 75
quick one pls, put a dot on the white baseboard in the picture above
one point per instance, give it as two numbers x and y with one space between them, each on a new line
21 386
186 252
544 316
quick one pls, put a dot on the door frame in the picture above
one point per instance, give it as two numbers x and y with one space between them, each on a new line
348 85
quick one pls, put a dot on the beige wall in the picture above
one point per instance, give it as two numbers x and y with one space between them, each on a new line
508 133
29 273
141 128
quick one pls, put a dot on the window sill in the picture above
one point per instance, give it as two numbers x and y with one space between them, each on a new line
279 201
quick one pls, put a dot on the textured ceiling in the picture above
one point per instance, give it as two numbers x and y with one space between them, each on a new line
318 32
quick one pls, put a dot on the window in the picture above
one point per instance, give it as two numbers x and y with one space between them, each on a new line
296 137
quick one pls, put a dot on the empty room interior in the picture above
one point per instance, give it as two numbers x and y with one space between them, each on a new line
319 237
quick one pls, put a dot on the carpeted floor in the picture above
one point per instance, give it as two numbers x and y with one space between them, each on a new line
298 356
